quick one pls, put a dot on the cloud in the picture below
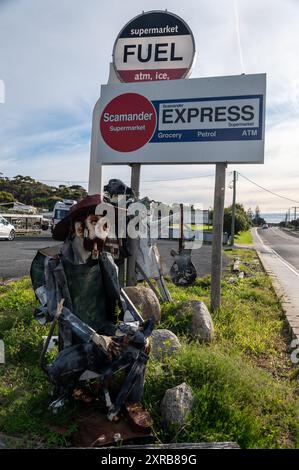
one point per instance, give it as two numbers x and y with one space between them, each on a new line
2 92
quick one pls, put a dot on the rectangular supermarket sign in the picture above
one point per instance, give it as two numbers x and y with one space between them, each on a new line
205 120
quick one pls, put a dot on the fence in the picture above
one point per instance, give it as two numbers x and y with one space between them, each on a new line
24 223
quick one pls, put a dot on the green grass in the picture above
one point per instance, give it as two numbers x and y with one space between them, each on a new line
244 238
234 401
204 227
244 384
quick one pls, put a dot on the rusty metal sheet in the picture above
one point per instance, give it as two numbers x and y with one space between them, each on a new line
138 417
95 430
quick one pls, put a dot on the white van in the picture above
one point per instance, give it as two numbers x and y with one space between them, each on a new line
61 210
7 230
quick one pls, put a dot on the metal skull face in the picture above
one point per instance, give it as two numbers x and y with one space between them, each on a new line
97 227
92 231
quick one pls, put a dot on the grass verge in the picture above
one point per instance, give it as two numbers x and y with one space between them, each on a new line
243 382
244 238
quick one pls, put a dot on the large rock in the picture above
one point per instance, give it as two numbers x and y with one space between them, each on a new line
164 343
200 325
177 404
145 300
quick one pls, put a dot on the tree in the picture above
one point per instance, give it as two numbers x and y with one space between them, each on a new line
250 213
295 223
257 219
6 197
242 221
29 191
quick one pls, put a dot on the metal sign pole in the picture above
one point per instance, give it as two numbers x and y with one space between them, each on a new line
133 243
95 167
219 195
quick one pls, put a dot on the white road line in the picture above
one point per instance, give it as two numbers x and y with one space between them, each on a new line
286 263
258 236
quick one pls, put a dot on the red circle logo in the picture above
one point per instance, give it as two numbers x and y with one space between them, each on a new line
128 122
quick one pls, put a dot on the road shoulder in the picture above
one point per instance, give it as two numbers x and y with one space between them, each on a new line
285 281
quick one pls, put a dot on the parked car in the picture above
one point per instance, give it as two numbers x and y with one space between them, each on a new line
61 210
7 230
265 226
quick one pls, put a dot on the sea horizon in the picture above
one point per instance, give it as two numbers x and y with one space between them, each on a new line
275 217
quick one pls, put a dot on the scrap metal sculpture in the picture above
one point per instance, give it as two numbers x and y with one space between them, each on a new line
183 271
100 330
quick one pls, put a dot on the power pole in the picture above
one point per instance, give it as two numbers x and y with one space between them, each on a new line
295 211
233 210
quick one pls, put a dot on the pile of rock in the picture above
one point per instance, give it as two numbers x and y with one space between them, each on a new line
178 401
200 324
177 405
164 344
145 300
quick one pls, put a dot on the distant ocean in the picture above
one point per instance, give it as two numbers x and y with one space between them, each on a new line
274 217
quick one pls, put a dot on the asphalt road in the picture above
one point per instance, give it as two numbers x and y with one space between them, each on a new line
286 245
16 256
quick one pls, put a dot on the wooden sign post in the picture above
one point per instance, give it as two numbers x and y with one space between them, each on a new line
133 246
216 270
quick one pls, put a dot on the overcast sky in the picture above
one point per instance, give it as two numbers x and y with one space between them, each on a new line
55 54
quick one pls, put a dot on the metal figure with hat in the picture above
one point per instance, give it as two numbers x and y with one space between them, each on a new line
100 330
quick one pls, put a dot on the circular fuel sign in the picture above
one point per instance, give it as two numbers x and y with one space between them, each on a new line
156 45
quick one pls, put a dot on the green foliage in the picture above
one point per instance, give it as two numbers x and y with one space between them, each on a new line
6 197
242 221
176 318
256 218
29 191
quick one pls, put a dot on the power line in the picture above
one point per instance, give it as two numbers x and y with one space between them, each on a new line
142 181
268 190
176 179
